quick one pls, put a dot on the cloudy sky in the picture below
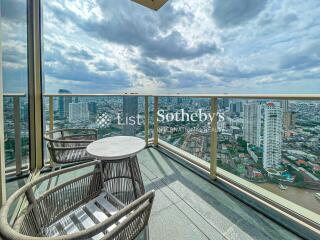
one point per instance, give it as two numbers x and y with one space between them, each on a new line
197 46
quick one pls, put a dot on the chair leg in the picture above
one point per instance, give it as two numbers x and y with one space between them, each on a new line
54 167
146 233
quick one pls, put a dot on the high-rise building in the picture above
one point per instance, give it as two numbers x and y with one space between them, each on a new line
284 104
92 107
130 110
252 123
236 107
64 103
25 112
289 120
78 112
225 102
272 135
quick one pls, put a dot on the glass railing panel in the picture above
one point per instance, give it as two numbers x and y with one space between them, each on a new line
273 144
185 124
110 115
11 126
15 84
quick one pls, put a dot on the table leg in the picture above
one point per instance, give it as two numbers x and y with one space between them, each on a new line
132 177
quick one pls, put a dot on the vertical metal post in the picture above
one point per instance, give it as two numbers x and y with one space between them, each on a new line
35 84
17 133
146 119
155 121
213 137
2 150
51 116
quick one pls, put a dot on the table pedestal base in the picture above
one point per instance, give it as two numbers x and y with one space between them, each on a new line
122 178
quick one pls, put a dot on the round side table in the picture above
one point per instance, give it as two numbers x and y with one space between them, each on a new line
118 156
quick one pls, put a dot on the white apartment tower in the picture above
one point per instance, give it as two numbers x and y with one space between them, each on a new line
272 135
78 112
252 123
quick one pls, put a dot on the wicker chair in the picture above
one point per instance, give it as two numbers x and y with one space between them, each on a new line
76 209
69 145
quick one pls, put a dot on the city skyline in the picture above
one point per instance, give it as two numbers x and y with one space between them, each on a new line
194 47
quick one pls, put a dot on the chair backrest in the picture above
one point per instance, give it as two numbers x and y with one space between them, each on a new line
45 208
67 145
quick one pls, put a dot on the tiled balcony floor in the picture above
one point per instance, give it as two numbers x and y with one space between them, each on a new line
189 207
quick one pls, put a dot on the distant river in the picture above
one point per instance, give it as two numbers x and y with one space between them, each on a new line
300 196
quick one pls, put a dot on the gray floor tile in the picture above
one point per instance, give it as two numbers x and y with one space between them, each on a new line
172 224
204 226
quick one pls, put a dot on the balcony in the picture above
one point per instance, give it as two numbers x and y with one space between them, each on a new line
224 166
196 195
188 206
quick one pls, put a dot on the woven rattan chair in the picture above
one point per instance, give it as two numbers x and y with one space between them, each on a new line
69 145
76 209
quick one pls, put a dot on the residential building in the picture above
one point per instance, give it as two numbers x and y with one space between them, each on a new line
252 123
236 108
64 103
284 104
289 120
130 111
78 112
272 135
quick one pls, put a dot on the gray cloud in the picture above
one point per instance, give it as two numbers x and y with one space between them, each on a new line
140 28
72 66
191 80
231 13
151 68
15 79
290 18
14 10
270 50
307 57
13 55
104 66
80 53
234 72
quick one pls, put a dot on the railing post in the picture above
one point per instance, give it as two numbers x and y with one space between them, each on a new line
51 114
35 86
146 119
213 137
17 133
155 121
2 150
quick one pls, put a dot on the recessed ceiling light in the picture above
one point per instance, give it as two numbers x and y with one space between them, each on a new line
153 4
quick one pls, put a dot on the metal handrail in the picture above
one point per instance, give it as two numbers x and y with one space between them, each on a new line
223 95
14 94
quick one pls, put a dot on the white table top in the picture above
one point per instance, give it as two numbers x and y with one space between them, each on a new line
113 148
